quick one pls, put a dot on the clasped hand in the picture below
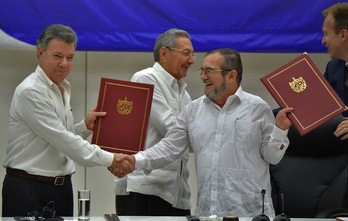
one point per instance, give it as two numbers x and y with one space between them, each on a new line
122 164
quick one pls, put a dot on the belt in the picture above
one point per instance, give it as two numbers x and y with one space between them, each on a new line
58 181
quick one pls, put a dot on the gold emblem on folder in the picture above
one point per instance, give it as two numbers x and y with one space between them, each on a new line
298 84
124 107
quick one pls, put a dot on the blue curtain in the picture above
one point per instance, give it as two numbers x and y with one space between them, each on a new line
133 25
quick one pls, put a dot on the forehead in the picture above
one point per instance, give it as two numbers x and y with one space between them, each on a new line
328 23
213 60
184 43
59 46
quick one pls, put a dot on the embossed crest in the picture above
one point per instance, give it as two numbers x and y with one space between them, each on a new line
124 107
298 84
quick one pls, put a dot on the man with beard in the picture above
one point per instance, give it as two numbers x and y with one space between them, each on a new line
234 136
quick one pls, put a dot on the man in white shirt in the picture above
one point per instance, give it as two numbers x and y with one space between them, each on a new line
164 192
43 141
234 137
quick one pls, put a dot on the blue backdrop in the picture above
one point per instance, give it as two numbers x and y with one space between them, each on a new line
133 25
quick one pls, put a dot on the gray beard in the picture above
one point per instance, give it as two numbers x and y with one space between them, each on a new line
217 92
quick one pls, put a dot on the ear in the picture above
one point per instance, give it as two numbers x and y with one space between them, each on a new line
344 34
232 75
163 51
39 52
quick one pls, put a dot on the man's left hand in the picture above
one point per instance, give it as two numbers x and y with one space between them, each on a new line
342 129
91 117
282 120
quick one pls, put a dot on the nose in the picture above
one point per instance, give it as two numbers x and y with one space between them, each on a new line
63 62
203 76
323 40
191 60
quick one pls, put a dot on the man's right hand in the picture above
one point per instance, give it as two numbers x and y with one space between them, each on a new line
122 164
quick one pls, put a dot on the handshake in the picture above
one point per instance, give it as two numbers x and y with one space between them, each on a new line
122 164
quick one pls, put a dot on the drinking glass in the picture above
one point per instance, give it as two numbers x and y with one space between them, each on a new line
84 202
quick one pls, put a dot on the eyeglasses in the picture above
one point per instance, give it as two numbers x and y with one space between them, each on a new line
186 53
209 71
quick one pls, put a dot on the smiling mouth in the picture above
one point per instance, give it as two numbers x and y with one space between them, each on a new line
62 71
186 68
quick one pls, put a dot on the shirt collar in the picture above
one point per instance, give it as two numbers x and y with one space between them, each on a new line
239 94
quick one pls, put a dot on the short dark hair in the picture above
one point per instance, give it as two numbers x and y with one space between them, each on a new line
339 12
233 61
56 31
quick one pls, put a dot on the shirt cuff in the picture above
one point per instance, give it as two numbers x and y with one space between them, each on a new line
140 163
82 125
82 130
106 157
281 136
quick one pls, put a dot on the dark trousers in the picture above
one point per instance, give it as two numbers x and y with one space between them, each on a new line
136 204
21 196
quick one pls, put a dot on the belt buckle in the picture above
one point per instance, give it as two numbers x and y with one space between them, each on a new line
58 181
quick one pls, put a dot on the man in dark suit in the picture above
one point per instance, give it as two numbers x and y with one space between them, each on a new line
335 29
336 74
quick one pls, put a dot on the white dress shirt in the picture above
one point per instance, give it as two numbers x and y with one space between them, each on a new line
170 182
233 148
42 137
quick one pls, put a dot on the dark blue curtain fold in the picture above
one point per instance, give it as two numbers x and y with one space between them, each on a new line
133 25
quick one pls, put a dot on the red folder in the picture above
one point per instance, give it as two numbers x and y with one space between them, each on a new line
299 84
128 106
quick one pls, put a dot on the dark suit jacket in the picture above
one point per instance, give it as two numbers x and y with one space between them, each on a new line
335 74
